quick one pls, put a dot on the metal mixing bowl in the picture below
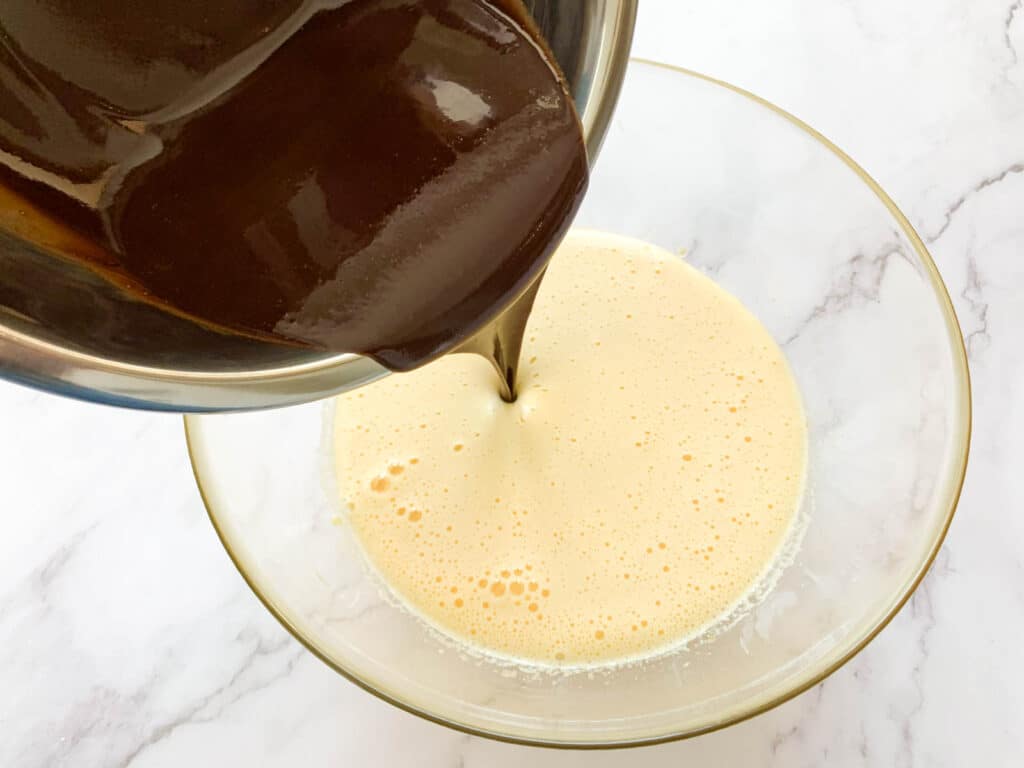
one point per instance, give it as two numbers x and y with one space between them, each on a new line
117 350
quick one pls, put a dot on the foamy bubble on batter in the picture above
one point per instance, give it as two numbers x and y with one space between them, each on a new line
637 490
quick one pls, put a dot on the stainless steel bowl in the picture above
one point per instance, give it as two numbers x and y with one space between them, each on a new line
109 352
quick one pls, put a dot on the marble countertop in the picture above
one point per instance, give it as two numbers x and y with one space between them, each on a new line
128 639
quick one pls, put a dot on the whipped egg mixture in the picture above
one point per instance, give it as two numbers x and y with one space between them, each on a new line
638 489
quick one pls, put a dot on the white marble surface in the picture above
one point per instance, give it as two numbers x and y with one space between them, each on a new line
127 638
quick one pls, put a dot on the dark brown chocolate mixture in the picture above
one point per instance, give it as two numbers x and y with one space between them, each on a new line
372 176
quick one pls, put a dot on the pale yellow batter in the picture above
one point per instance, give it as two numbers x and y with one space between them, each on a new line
640 486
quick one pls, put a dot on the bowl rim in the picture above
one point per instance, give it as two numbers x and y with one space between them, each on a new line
962 429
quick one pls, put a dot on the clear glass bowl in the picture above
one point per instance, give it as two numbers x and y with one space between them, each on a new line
789 224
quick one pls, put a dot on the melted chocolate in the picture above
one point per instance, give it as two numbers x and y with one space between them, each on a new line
378 176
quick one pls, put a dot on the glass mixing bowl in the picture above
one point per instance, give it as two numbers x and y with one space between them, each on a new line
793 227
